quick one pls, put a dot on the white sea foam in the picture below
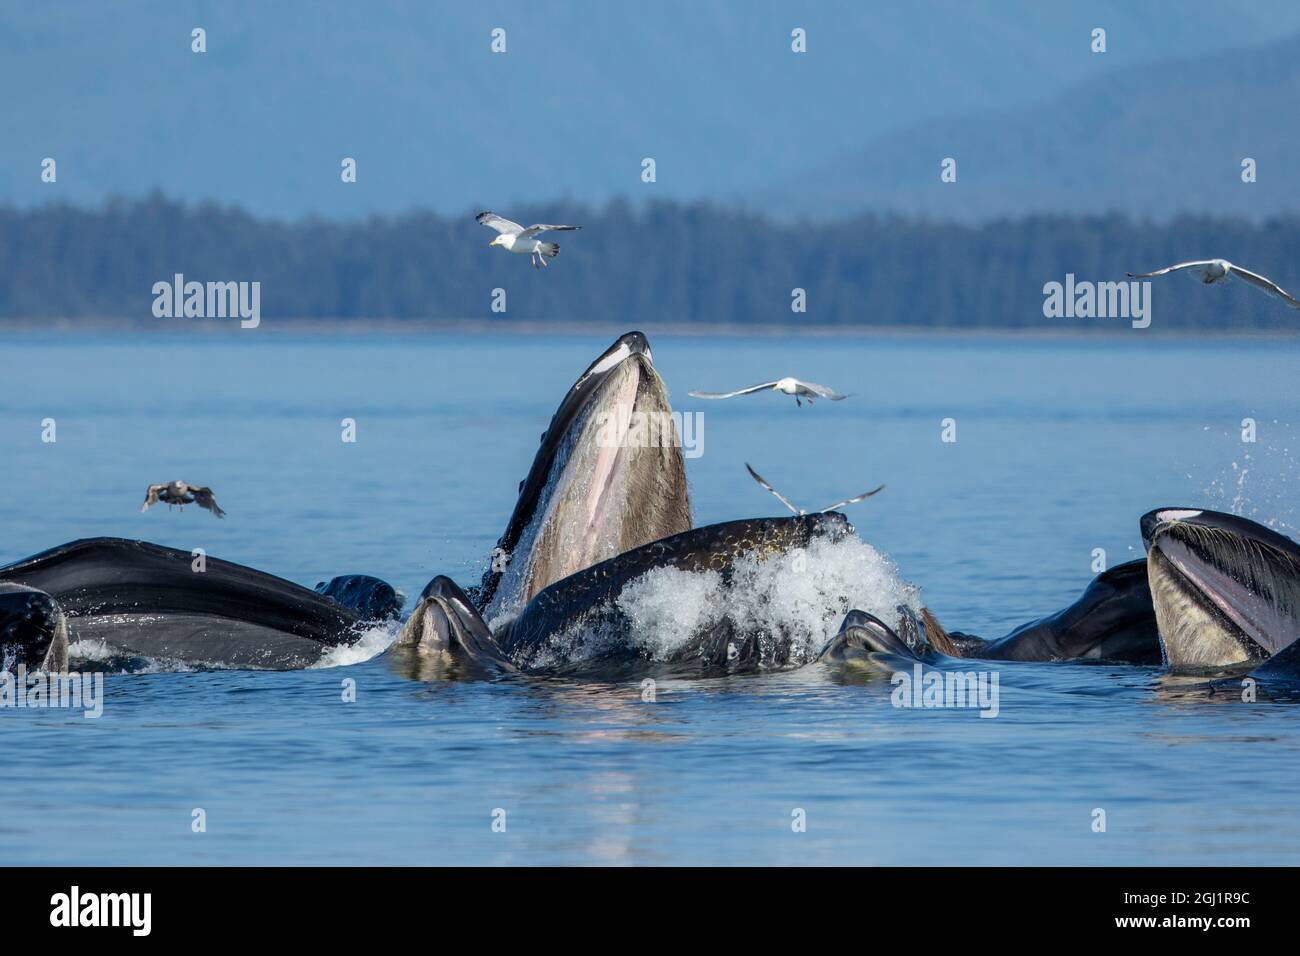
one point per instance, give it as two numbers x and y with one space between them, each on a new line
374 640
801 596
91 651
666 606
83 652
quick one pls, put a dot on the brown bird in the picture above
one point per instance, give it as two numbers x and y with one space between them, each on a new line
181 493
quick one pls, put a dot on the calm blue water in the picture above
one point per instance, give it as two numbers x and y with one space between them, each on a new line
1061 446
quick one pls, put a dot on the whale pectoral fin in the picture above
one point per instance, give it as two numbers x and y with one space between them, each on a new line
445 621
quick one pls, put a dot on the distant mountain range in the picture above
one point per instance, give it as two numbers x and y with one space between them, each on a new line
586 90
1151 141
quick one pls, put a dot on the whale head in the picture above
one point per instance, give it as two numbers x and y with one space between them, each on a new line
1226 590
445 622
609 476
861 636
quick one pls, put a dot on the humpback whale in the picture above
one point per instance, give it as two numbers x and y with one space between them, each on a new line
579 622
144 600
601 515
1226 590
445 624
594 490
862 636
1113 620
1216 594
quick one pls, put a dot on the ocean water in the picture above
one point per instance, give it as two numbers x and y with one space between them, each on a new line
1060 446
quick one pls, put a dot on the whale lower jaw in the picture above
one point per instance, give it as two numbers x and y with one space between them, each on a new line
429 629
1223 600
1195 634
446 625
608 496
612 486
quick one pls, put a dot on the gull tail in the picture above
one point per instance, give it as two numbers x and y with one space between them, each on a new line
550 249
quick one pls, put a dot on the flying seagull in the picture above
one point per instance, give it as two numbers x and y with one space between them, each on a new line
181 493
799 511
515 238
1211 271
790 386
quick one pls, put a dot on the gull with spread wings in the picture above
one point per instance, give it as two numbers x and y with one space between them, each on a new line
1211 271
181 493
516 238
790 386
799 511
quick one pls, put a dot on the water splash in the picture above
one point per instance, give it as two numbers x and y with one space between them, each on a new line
1259 484
800 597
374 641
96 655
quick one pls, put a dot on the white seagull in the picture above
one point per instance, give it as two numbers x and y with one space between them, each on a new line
799 511
790 386
181 493
1211 271
515 238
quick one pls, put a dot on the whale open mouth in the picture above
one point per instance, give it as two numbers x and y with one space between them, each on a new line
1226 590
608 477
445 622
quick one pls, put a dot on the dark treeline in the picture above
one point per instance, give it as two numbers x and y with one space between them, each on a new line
664 262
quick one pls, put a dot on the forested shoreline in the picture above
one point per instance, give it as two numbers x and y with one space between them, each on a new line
632 265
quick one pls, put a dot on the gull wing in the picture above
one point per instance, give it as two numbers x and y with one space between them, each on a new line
740 391
780 497
1173 268
540 227
151 496
850 501
1262 282
500 224
203 498
821 391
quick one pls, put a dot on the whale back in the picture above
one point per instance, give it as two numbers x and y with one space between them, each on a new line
95 578
593 592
